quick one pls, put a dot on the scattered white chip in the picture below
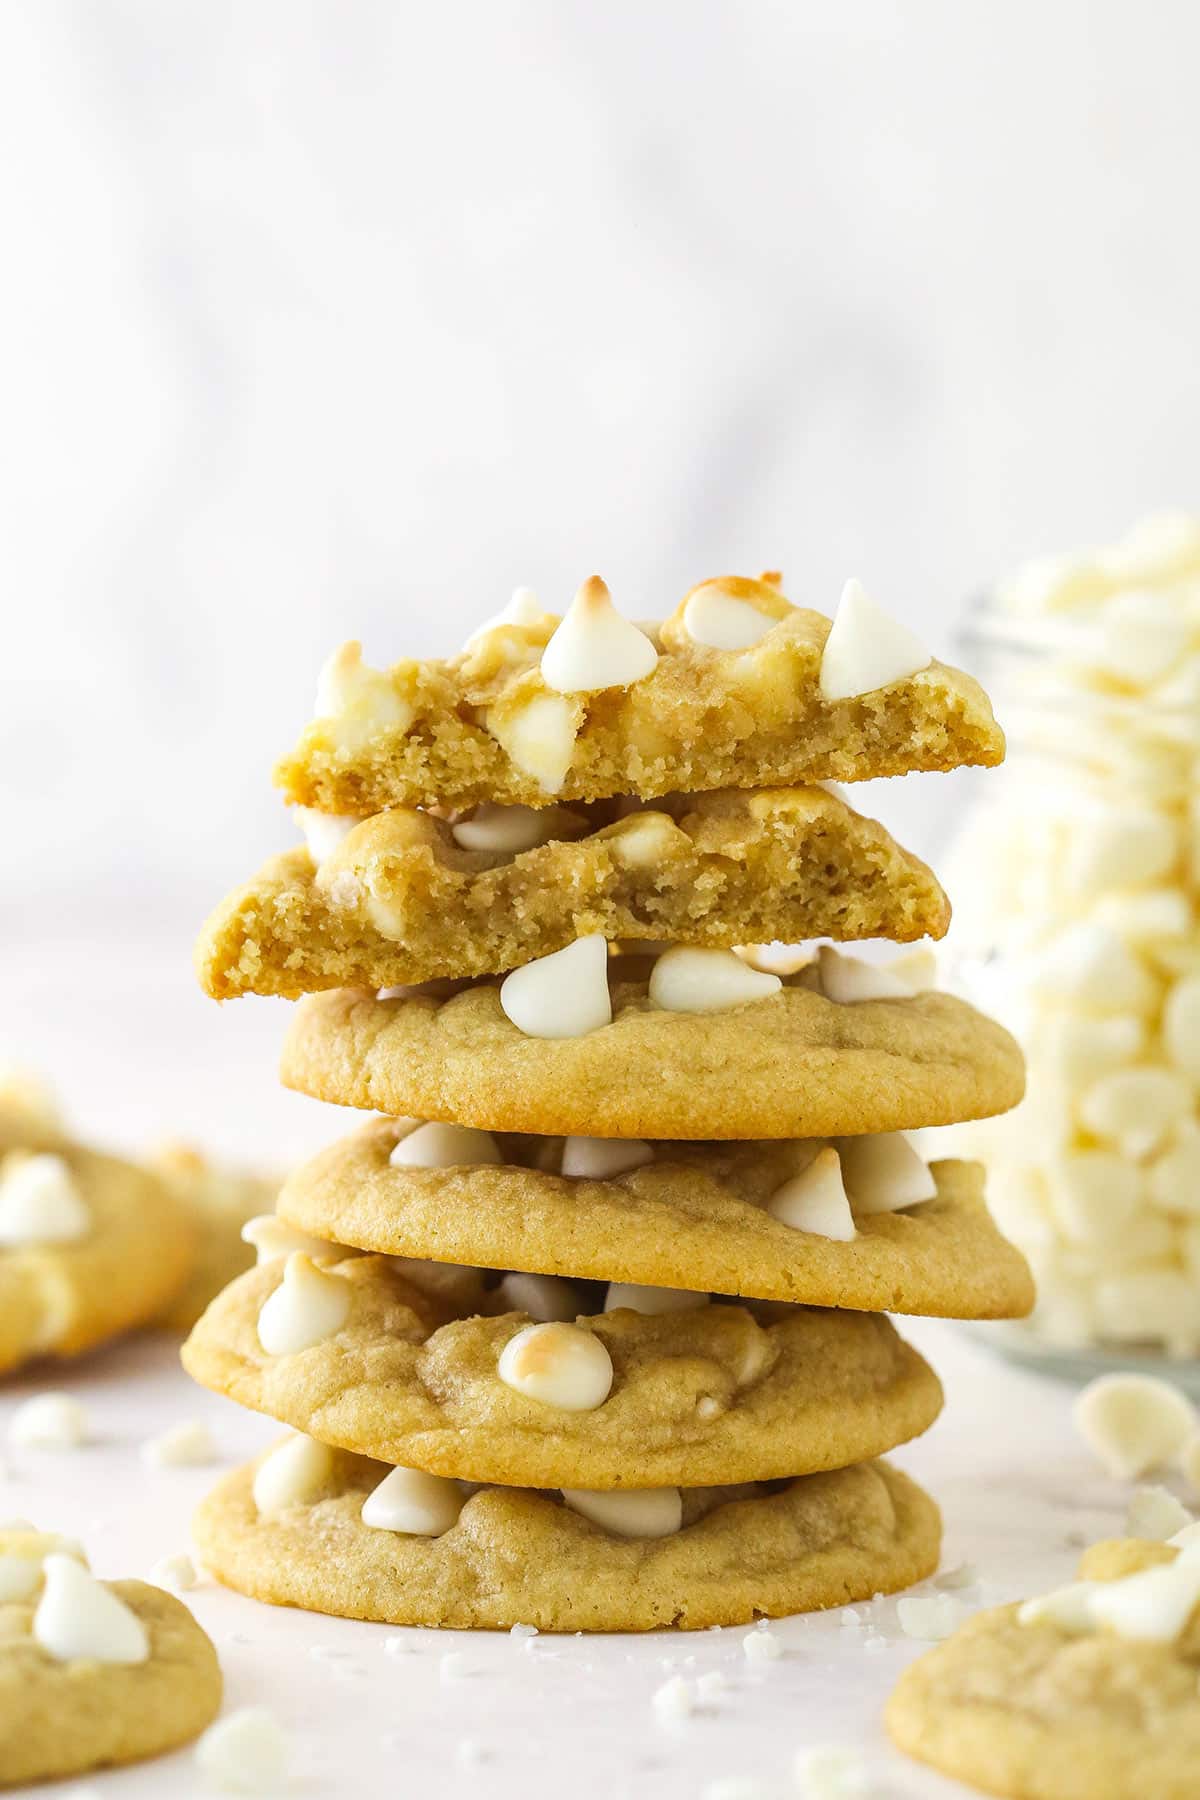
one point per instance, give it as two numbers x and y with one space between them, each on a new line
398 1646
929 1616
50 1421
440 1146
560 1365
867 650
594 647
246 1752
469 1754
1134 1423
562 995
848 979
688 980
308 1306
711 1683
815 1201
78 1617
761 1645
522 1631
674 1700
452 1667
176 1572
962 1575
831 1772
1154 1512
183 1445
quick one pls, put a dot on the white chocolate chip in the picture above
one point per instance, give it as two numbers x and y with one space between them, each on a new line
40 1203
524 608
1068 1607
559 1365
1087 964
539 736
594 647
652 1301
543 1297
273 1237
78 1617
323 832
1154 1512
714 618
867 650
22 1557
602 1159
848 979
916 970
439 1146
177 1573
815 1201
1181 1025
359 700
674 1701
246 1752
1134 1423
507 830
831 1772
761 1645
1113 849
689 980
49 1421
182 1446
1189 1461
1136 1107
1155 1604
929 1616
292 1475
631 1513
563 995
414 1503
882 1173
307 1306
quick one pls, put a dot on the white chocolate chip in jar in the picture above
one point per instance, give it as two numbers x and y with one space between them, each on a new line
440 1146
1181 1025
272 1237
79 1618
292 1475
358 701
866 650
543 1297
40 1202
815 1201
883 1173
308 1306
563 995
652 1301
559 1365
538 732
603 1159
323 832
848 979
413 1503
594 647
690 980
630 1512
720 621
1137 1107
1134 1423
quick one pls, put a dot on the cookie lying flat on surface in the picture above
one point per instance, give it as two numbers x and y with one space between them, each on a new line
29 1115
219 1201
487 726
93 1673
701 1397
1063 1706
400 899
695 1216
516 1557
792 1065
89 1248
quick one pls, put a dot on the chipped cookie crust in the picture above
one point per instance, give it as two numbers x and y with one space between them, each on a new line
792 1065
519 1557
699 1398
399 901
484 726
694 1218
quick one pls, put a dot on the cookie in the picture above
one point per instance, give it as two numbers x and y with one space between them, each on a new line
792 1065
702 1397
1039 1712
695 1217
219 1201
518 1557
128 1251
401 900
485 726
64 1714
29 1115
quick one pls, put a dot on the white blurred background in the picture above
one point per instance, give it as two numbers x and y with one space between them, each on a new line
343 318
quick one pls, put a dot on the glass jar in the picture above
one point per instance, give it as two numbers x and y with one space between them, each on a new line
1076 888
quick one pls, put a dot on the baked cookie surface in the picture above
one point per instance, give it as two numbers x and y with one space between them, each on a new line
693 1218
61 1718
484 725
60 1298
520 1557
698 1398
219 1201
400 901
1036 1712
792 1065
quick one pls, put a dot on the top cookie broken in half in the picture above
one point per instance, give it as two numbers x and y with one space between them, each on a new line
487 724
410 897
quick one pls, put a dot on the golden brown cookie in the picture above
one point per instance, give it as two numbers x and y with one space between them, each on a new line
695 1217
484 726
29 1115
64 1717
219 1201
792 1065
518 1557
59 1298
1036 1712
699 1398
400 901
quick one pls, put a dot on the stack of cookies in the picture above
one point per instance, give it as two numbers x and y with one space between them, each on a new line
588 1330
